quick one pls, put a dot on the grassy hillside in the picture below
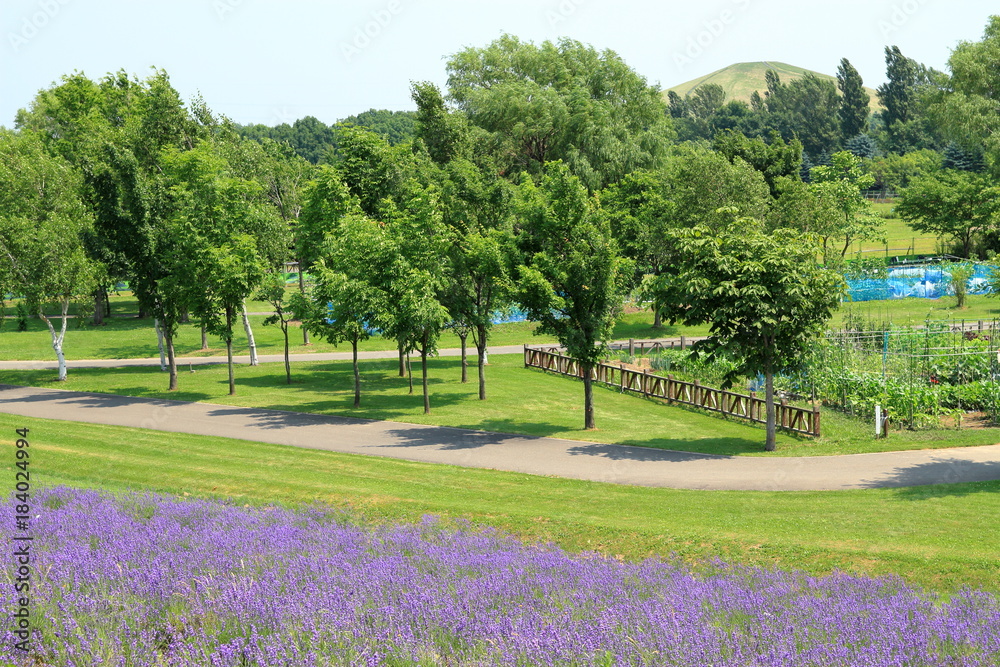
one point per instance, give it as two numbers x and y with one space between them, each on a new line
740 80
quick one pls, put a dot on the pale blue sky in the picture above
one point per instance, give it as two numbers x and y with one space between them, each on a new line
265 61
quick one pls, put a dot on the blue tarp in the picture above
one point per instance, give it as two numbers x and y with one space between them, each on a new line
923 282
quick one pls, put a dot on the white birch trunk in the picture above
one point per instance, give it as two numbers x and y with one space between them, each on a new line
57 339
159 342
250 340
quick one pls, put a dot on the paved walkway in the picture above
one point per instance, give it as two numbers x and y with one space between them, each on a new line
538 456
244 359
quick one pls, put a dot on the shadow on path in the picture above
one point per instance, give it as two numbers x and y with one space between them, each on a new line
448 439
947 471
636 453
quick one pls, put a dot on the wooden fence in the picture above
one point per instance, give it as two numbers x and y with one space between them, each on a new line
788 417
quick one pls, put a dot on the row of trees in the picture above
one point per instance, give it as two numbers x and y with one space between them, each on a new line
552 180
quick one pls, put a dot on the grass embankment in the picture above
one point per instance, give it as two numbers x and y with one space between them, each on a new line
941 537
525 401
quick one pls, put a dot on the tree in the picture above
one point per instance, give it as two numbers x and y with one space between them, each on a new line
862 146
806 108
959 204
897 94
226 235
773 159
968 105
854 101
115 132
762 294
840 186
272 290
701 183
574 281
42 222
561 101
347 303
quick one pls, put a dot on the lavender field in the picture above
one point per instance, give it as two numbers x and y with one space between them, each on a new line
153 580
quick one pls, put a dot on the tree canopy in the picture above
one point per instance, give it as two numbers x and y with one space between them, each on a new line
561 101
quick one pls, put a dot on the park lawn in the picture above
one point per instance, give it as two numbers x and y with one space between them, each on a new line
940 537
523 401
132 338
914 311
901 239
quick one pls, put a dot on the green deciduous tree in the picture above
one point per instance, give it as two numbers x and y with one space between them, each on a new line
839 186
42 223
773 159
762 294
959 204
561 101
968 106
575 280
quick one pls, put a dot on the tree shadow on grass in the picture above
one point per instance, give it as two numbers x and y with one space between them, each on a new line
944 476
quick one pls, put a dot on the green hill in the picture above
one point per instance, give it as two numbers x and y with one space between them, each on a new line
740 80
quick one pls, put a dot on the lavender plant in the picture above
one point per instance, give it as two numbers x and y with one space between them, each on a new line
144 580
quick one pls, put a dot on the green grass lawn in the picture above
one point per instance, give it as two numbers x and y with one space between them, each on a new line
525 401
941 537
131 338
901 239
914 311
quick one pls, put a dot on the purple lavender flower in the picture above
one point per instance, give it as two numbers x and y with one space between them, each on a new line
146 580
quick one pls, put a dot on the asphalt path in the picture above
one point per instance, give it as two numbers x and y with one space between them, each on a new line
183 362
537 456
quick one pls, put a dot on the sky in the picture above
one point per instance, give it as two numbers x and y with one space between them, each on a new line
270 61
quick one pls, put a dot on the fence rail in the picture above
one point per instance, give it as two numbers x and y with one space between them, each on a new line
750 407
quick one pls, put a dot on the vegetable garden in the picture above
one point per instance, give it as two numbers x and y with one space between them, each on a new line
940 374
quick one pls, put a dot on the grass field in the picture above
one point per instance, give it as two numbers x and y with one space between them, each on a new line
901 239
520 400
130 338
941 537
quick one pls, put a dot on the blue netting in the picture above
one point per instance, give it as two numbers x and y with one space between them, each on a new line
923 282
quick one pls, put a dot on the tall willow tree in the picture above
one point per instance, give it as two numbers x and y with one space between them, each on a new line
561 101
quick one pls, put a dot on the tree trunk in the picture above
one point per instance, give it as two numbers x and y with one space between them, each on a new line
229 349
588 401
409 373
204 337
159 344
288 361
58 338
100 296
302 288
657 317
423 366
465 360
250 339
480 341
402 362
770 444
357 373
172 361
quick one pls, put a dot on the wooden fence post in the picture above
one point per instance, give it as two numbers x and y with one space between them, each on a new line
631 347
682 342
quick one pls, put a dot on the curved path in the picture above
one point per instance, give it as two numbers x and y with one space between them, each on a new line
539 456
241 359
